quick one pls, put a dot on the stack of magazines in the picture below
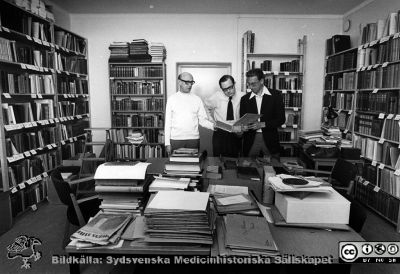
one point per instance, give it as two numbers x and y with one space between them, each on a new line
119 51
103 229
179 217
184 162
157 52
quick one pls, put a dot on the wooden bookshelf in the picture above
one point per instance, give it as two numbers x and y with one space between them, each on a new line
45 102
138 98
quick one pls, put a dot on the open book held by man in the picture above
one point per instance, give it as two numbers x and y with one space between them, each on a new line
241 124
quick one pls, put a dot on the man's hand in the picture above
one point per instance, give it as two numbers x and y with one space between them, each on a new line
168 150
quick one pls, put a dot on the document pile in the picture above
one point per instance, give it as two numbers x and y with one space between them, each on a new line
185 155
179 217
167 183
118 51
102 229
122 186
242 235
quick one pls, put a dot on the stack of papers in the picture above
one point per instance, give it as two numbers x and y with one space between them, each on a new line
162 183
242 235
179 217
183 169
102 229
237 203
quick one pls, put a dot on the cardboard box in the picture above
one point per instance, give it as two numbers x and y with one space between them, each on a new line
329 207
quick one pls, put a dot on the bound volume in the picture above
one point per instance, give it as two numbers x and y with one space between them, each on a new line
245 120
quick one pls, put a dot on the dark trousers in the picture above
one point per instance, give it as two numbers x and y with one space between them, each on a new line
190 143
226 144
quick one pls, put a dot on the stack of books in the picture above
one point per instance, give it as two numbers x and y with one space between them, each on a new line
167 183
139 51
122 186
136 138
241 235
179 217
118 51
186 155
158 52
184 162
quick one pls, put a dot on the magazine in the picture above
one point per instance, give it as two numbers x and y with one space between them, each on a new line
237 126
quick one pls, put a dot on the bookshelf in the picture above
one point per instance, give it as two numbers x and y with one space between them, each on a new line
340 89
44 99
285 72
138 97
369 74
377 121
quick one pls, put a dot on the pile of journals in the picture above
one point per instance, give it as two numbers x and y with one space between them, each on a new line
139 51
158 52
233 199
122 186
168 183
119 51
184 162
242 235
136 138
179 217
103 229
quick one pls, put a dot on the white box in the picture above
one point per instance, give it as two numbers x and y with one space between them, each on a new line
328 207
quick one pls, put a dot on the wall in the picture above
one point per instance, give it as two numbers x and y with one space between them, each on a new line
204 38
370 12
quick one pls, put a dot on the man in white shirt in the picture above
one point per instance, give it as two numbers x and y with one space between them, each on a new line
224 106
183 115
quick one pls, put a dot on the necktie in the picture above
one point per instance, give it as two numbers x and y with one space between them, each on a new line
229 112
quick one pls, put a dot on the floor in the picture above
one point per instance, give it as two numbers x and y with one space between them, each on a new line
48 223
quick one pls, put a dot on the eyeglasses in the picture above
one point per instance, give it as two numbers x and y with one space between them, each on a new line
187 82
228 88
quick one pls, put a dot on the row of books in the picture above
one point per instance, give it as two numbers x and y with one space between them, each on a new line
381 201
292 119
288 83
22 112
390 130
26 83
66 85
151 135
70 41
67 108
292 99
26 141
31 196
389 182
342 120
73 150
345 81
130 151
342 62
138 120
249 38
386 153
368 124
387 102
291 66
286 136
70 63
137 87
146 104
386 52
381 28
382 77
132 71
342 100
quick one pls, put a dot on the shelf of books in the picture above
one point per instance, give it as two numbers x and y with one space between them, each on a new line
339 89
378 116
285 72
42 105
364 83
138 96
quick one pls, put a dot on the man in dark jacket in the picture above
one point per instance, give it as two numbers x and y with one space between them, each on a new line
269 103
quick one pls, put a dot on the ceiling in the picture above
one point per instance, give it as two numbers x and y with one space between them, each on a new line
336 7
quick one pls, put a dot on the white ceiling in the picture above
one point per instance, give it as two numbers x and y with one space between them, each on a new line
337 7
